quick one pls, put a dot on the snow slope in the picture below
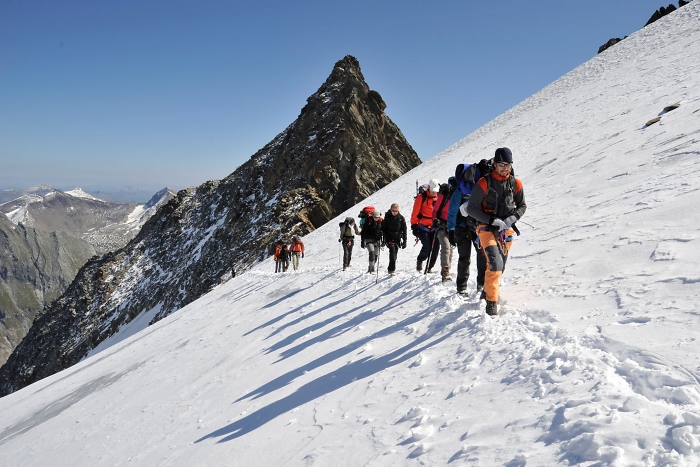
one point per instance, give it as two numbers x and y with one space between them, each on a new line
593 360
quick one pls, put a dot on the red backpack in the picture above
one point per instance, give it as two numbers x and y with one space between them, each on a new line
364 214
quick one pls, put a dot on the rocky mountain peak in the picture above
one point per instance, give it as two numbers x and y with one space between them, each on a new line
340 149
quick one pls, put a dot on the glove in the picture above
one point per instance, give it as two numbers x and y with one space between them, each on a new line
451 235
500 224
415 230
362 244
302 255
436 223
340 240
510 220
403 244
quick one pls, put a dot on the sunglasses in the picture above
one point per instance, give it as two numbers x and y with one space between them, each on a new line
503 164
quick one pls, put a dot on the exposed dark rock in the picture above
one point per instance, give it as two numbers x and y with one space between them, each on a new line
609 44
660 13
341 149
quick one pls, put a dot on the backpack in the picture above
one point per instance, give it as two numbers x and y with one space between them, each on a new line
446 192
364 214
421 190
472 174
466 176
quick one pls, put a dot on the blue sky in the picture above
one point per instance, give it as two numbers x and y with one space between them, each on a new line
146 94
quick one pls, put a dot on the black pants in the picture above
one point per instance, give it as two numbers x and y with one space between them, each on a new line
465 238
348 243
393 251
426 239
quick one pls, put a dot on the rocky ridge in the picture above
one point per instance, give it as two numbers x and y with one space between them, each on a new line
340 149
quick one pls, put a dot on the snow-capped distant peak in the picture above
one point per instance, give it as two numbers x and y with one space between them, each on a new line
80 193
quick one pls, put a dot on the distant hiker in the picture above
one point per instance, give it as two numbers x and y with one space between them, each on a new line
461 229
278 263
422 225
296 249
497 203
284 258
440 210
348 229
371 238
394 233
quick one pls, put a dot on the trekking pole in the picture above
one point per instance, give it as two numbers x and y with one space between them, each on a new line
340 247
377 265
430 253
529 225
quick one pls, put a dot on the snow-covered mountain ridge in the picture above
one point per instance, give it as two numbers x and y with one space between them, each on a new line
594 359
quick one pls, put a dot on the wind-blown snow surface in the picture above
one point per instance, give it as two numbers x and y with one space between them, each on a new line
593 359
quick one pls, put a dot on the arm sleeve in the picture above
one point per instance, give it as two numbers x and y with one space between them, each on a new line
416 209
474 205
519 198
437 204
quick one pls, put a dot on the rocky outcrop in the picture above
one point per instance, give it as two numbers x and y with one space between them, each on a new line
609 44
35 268
658 14
340 149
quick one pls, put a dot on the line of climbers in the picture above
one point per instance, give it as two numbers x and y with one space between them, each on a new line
375 233
283 254
479 207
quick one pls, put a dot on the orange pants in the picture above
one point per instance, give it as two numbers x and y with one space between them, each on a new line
495 260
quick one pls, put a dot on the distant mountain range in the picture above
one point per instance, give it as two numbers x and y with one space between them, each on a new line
106 226
46 236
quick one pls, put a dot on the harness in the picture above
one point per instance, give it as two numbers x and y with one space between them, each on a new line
492 206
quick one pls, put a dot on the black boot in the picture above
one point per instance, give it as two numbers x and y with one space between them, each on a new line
491 308
419 266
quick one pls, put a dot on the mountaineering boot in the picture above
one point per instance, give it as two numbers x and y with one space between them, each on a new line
419 266
445 274
370 270
463 293
483 294
491 308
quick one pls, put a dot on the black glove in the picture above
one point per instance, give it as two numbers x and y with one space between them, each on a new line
302 255
451 235
415 230
362 243
340 240
436 223
403 244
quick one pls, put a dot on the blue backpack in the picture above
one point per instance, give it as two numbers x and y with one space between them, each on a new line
466 176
